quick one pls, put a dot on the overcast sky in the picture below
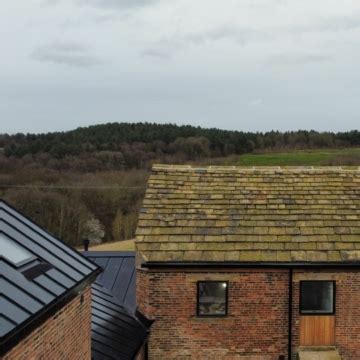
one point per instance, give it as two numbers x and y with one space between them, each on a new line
251 65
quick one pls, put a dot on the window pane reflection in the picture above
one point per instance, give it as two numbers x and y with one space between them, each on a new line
12 250
317 297
212 298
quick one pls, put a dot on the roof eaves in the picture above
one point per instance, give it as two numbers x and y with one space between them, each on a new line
90 254
20 331
235 264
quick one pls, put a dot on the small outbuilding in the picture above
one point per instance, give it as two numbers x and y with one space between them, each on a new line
250 263
45 293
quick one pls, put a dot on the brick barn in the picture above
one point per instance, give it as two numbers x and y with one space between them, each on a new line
251 263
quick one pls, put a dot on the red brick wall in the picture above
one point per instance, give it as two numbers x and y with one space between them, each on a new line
257 325
347 333
255 328
65 335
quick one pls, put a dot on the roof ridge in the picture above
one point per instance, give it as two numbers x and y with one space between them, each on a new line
157 167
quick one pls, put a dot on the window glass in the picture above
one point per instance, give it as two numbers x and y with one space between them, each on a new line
317 297
212 298
13 251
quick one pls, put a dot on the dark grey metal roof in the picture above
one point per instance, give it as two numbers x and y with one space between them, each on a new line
116 334
118 276
118 331
52 275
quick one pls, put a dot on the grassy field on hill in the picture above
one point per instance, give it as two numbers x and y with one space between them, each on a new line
323 157
124 245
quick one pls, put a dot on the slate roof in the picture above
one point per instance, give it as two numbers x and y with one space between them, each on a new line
30 290
117 329
246 214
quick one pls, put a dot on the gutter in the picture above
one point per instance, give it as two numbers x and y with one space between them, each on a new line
254 265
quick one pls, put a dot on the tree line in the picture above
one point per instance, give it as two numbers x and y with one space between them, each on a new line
123 146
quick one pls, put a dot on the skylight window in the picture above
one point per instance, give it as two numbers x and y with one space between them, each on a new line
13 251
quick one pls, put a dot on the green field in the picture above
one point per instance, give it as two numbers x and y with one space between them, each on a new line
338 157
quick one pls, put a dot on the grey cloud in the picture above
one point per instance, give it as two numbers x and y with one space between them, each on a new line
49 2
256 102
165 47
237 34
73 54
335 23
116 4
341 23
156 53
289 59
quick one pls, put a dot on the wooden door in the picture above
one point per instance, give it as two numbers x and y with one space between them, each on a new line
317 330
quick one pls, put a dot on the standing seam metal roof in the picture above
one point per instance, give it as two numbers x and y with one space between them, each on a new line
117 332
118 276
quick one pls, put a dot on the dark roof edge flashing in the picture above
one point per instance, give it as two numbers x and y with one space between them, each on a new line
15 336
236 264
146 322
94 253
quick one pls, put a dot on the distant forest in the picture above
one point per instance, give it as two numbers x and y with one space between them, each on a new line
90 182
123 146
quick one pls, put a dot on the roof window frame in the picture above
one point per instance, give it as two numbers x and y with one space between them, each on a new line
23 262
